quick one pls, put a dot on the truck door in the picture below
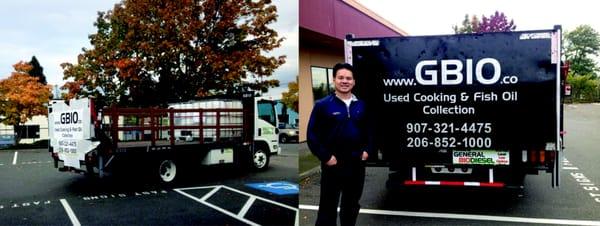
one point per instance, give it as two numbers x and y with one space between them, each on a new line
266 125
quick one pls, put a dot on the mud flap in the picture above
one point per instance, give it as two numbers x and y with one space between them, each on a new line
556 170
556 165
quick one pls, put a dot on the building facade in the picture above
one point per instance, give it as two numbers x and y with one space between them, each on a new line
31 131
323 26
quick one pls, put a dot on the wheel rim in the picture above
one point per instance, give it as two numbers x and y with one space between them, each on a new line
283 139
167 170
260 159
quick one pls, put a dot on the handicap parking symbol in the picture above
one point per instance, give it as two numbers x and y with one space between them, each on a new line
277 187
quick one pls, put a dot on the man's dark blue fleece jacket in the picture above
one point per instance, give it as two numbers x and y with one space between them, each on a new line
335 129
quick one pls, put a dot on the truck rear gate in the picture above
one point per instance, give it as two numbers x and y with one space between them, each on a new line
481 109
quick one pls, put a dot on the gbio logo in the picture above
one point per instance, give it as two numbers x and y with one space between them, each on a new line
69 118
451 72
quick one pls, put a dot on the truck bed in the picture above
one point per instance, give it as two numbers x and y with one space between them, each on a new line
133 144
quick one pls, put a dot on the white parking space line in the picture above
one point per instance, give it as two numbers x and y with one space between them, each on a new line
195 188
15 158
570 168
203 201
209 194
469 217
70 212
262 199
269 201
245 208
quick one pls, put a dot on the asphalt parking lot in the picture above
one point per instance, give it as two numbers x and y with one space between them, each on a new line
574 202
35 193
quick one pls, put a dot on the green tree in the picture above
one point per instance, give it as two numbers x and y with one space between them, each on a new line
320 91
580 45
290 98
150 52
467 26
584 88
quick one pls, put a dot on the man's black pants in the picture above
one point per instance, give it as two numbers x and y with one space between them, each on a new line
347 179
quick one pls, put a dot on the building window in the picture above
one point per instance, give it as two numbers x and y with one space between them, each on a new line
322 81
28 131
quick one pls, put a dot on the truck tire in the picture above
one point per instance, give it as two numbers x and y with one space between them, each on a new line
167 170
260 159
283 139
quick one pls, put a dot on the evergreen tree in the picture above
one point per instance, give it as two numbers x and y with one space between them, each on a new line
37 71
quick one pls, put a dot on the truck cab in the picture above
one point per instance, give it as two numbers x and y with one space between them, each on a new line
266 131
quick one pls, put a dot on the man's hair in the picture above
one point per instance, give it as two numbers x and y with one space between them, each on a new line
339 66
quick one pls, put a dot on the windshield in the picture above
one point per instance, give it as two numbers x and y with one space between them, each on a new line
266 112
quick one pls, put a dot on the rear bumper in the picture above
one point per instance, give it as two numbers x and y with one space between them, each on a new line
454 183
84 167
59 164
473 176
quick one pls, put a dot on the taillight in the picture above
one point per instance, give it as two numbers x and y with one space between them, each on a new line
540 157
532 156
551 156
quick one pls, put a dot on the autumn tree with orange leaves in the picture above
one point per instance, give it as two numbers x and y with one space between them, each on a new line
151 52
290 97
22 96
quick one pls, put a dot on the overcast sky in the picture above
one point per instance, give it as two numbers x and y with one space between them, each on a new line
55 31
438 17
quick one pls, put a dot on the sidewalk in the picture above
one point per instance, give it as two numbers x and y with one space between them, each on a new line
308 163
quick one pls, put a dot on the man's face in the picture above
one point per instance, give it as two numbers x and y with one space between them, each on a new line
344 81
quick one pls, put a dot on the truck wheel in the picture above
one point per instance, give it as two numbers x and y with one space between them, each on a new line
167 170
260 159
283 139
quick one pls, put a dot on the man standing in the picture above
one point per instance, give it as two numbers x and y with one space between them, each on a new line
338 135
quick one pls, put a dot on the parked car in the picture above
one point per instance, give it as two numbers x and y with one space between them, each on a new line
7 140
288 132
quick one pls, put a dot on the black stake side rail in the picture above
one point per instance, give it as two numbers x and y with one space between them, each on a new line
154 126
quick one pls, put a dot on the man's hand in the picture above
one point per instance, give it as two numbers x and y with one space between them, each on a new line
332 161
365 156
